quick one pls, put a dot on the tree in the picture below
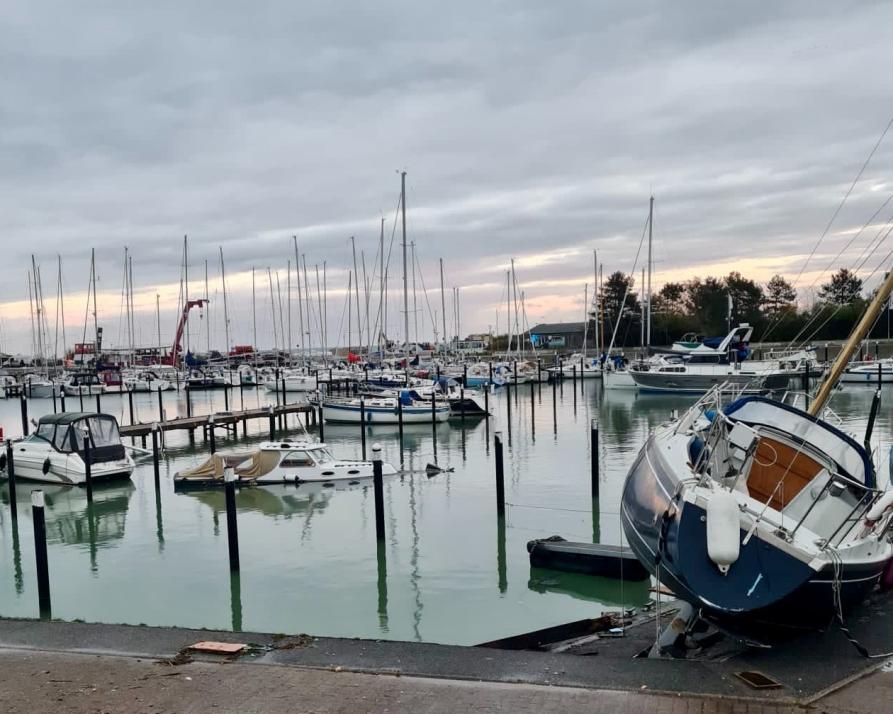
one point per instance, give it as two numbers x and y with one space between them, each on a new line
845 288
780 295
747 298
707 301
670 299
617 286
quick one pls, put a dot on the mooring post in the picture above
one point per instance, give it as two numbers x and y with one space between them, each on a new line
532 401
88 466
539 370
24 409
880 374
500 476
272 414
826 353
322 422
378 485
400 423
130 404
487 402
434 410
61 398
232 526
80 397
872 415
226 398
515 373
40 553
462 404
490 364
11 479
876 349
98 403
363 426
211 436
464 374
160 405
594 456
156 466
53 392
188 402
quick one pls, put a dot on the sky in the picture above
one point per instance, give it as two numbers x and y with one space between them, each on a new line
529 131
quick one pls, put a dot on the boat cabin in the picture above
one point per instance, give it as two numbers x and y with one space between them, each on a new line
66 433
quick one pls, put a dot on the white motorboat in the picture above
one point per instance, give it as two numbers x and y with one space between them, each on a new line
871 372
618 378
278 462
384 410
205 379
243 376
55 452
36 387
580 366
83 383
292 381
696 374
146 381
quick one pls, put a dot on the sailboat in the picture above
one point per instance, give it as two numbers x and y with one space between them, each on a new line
755 511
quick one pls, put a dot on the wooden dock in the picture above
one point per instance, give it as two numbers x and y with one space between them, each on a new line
228 419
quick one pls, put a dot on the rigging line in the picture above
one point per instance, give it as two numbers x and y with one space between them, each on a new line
383 298
626 291
839 307
425 292
844 200
836 258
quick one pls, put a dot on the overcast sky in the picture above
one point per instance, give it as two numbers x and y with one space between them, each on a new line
529 130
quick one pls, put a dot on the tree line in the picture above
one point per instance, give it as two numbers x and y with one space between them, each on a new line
701 305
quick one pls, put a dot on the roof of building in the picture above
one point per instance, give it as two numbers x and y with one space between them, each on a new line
557 328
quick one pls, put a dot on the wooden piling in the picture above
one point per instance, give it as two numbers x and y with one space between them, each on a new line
40 554
378 486
232 525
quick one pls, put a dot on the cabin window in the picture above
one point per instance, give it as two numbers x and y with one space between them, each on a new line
297 460
104 432
321 455
61 440
46 431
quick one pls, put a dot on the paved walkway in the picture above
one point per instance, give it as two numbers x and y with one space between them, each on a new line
34 681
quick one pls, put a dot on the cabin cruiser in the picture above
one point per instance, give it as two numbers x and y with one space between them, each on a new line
205 379
36 387
83 383
56 453
145 380
696 373
736 342
278 462
469 402
292 381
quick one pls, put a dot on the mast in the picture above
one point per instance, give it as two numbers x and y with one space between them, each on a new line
186 288
325 311
307 307
585 314
322 337
158 326
642 308
650 232
207 309
132 320
508 308
225 305
273 310
95 306
300 307
458 317
366 295
851 345
405 277
382 305
288 305
254 316
596 326
415 308
281 326
349 308
37 305
515 302
443 310
353 245
31 311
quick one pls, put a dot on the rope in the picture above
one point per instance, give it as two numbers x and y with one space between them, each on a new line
836 586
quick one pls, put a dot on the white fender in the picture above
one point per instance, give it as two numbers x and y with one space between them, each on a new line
723 529
880 506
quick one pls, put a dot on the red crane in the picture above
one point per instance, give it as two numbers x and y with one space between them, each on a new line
181 325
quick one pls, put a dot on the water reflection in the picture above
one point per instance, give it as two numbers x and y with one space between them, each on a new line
591 588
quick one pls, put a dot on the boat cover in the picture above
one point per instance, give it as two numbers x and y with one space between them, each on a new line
214 466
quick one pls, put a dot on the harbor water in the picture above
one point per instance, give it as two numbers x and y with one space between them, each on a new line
449 571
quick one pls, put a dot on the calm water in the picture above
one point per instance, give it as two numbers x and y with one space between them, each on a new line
449 572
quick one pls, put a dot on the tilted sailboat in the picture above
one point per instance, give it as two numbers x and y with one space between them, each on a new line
758 511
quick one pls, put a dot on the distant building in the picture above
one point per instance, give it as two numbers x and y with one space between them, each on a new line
558 335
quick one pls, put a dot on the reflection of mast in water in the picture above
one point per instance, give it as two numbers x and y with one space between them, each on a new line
500 554
235 597
16 557
159 523
91 532
311 509
414 562
382 586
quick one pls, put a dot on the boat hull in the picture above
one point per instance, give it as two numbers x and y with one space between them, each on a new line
765 584
348 414
687 383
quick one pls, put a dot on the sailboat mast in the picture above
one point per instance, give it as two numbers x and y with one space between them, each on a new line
307 307
322 336
650 235
415 309
585 315
366 296
186 289
158 324
349 308
95 306
225 305
281 325
642 308
515 302
382 305
325 311
254 315
207 309
508 308
273 310
353 245
300 307
288 305
132 318
596 325
405 276
443 310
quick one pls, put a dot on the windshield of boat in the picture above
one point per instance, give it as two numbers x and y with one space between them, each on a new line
103 430
322 456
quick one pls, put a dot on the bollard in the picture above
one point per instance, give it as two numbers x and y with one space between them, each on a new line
272 424
130 405
53 392
211 436
88 466
24 409
40 553
322 428
594 456
363 426
539 370
226 399
574 375
61 398
11 479
500 476
378 485
826 353
156 468
160 405
98 404
232 526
